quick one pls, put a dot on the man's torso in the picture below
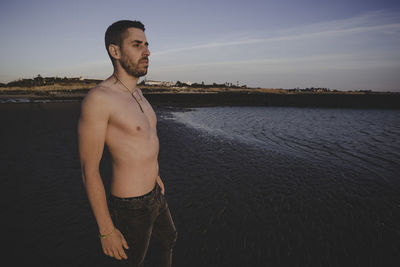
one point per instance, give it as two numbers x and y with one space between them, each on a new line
132 140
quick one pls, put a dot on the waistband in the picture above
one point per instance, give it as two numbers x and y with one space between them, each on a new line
135 202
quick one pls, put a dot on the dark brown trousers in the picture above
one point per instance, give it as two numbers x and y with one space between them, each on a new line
138 218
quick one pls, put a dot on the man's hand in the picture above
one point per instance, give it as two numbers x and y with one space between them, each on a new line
161 184
113 245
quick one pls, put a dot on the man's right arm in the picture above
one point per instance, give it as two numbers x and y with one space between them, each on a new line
92 127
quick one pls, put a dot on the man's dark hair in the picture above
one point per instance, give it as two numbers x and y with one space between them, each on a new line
116 33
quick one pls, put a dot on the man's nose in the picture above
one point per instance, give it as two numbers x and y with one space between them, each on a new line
146 51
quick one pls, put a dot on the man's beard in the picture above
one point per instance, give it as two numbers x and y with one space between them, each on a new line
132 68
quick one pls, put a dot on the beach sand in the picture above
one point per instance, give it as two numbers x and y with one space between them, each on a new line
227 209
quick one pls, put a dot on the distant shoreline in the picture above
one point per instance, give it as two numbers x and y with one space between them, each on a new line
198 97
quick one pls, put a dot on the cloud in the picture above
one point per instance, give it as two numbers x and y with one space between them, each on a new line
333 61
373 22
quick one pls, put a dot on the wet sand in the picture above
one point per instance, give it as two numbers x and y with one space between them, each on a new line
228 208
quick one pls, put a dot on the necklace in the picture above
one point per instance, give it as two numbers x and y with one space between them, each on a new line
130 92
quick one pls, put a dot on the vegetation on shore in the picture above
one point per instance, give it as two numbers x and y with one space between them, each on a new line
192 95
55 86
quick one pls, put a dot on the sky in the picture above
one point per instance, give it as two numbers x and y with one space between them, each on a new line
341 44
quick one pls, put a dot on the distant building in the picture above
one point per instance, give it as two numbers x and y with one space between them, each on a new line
158 83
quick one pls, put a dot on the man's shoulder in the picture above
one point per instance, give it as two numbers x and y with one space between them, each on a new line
99 93
97 99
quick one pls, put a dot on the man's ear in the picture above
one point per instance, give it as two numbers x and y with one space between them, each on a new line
114 51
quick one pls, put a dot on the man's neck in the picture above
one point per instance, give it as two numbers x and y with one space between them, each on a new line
127 80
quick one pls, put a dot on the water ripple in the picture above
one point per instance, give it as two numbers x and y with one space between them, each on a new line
365 139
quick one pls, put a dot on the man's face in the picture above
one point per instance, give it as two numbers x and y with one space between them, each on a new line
135 53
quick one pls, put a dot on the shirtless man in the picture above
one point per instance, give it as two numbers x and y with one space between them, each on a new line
117 114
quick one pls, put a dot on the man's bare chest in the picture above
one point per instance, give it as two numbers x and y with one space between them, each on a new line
127 116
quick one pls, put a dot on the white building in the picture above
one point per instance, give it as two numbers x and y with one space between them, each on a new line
158 83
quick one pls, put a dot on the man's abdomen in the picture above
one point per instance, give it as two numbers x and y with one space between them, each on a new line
135 180
135 171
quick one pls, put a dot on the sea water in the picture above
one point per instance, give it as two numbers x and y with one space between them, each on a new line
367 140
